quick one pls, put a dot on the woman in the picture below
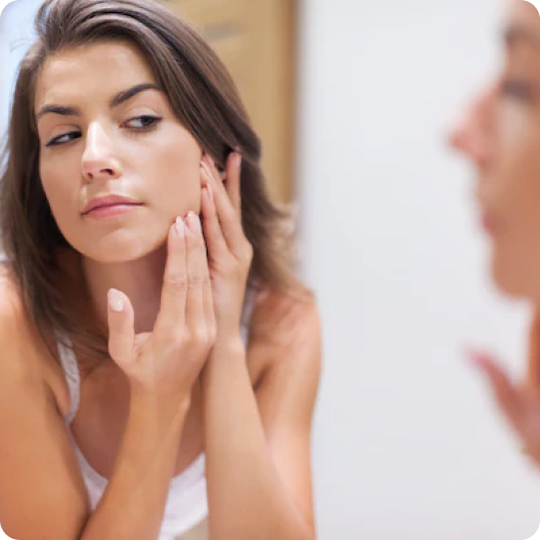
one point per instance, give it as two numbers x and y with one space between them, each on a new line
160 359
500 134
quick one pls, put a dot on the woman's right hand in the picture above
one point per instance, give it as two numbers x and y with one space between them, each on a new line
167 361
519 403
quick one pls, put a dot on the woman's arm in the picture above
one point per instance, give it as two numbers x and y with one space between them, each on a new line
258 464
133 504
258 444
42 493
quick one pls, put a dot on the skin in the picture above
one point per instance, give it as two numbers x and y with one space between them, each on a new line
272 385
103 155
500 135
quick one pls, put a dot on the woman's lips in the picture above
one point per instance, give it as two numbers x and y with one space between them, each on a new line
112 210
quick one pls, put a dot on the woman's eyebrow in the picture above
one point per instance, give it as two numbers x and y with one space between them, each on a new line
117 100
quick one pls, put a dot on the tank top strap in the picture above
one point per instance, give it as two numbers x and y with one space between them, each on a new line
71 370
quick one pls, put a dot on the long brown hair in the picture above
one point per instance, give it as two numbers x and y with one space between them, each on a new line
206 101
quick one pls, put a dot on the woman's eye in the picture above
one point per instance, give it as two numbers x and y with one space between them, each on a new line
517 90
63 139
148 123
151 121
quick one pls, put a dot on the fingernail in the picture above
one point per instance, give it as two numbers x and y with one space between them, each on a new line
211 161
193 222
179 227
115 300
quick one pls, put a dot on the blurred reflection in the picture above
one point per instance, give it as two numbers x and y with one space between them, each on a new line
500 134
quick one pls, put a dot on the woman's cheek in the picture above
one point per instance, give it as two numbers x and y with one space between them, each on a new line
181 192
181 170
65 204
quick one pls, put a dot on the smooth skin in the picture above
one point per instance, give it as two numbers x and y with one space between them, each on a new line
267 492
273 383
500 135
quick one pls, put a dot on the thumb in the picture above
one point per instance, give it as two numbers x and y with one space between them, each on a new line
120 319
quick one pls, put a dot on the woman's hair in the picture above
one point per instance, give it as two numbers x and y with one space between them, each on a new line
206 102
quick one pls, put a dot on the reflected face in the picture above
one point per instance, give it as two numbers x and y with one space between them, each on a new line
500 133
97 137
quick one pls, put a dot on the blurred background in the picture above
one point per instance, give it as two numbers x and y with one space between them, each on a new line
353 99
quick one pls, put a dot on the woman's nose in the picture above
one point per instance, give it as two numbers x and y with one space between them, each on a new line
469 141
458 136
99 160
471 134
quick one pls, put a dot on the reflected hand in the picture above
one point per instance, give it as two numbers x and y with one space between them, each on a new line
519 403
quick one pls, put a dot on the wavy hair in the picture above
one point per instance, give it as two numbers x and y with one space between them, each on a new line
206 101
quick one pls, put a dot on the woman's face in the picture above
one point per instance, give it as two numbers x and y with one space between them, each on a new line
98 149
500 133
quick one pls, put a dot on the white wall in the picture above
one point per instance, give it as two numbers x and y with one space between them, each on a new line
16 35
407 442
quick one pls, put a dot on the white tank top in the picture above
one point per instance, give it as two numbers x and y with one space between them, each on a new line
186 509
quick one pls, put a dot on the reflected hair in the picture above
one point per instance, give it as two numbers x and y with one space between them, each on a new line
205 100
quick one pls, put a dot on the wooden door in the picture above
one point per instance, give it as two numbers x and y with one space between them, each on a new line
256 39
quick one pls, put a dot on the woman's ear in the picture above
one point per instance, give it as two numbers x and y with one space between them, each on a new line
222 172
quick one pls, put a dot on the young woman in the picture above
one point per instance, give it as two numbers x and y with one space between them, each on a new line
160 360
500 134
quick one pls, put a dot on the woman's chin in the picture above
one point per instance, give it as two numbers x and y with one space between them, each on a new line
123 252
508 281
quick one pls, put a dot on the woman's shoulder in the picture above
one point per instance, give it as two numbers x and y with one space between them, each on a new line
24 354
280 321
279 314
13 322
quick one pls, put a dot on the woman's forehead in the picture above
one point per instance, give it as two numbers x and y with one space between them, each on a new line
72 71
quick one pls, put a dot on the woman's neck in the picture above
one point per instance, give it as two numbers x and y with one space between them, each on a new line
140 280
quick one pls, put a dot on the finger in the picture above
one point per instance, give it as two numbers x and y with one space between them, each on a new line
227 216
198 274
208 308
171 316
234 169
217 246
232 175
120 318
209 160
508 397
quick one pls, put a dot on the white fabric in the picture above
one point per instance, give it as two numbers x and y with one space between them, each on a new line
186 503
186 508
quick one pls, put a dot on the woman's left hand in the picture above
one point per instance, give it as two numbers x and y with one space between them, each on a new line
229 251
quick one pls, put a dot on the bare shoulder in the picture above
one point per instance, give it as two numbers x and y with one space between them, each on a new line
24 342
290 348
13 328
285 329
36 455
281 318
